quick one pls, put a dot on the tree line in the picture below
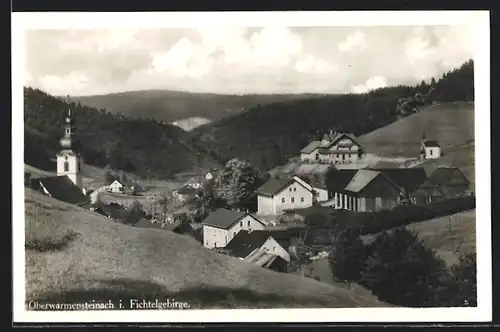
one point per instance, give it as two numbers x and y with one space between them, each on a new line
268 135
142 146
399 269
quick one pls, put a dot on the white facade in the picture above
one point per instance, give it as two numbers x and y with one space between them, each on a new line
310 157
216 237
272 246
116 187
341 149
70 164
294 196
432 152
321 194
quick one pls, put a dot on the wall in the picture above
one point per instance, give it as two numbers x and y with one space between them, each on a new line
214 236
271 245
309 157
73 171
295 191
432 152
322 194
264 205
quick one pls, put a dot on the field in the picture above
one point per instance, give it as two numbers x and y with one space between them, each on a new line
436 234
451 125
74 255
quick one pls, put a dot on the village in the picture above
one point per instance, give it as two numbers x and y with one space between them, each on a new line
277 233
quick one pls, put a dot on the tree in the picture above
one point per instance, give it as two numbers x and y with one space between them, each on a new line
464 279
236 183
400 270
347 256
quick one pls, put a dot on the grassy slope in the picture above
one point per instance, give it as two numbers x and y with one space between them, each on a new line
171 106
451 125
95 259
436 235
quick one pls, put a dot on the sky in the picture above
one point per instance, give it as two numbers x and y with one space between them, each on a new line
236 60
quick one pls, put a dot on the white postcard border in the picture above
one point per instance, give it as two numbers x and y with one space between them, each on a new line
478 19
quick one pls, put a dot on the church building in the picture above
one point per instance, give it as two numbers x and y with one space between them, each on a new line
429 149
69 159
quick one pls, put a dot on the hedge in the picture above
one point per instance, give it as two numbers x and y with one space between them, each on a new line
375 222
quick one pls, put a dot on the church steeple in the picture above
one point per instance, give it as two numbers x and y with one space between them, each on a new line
69 141
69 159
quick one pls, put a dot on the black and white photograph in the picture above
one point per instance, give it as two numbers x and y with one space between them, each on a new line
294 166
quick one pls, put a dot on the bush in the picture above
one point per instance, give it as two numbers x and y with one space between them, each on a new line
401 270
347 256
370 223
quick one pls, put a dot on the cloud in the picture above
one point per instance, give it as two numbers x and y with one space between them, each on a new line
372 83
224 59
354 42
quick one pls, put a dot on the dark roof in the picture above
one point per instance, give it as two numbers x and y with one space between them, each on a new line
63 189
311 147
223 218
186 191
444 175
244 242
337 180
273 186
431 144
407 178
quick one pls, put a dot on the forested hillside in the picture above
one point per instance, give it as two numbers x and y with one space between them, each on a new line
269 134
169 106
145 147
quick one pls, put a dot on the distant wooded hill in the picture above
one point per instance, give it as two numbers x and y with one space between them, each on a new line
169 106
144 147
267 135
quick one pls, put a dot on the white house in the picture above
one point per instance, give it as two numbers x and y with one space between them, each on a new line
429 149
246 244
320 195
116 187
222 225
277 195
334 148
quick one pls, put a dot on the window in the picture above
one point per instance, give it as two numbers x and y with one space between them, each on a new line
294 189
290 189
248 222
283 200
241 223
293 199
430 152
302 199
66 166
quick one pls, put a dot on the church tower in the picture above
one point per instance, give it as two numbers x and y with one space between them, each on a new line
69 159
422 146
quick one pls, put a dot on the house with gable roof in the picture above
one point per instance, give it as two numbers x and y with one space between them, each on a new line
61 188
221 225
368 190
334 148
444 182
277 195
